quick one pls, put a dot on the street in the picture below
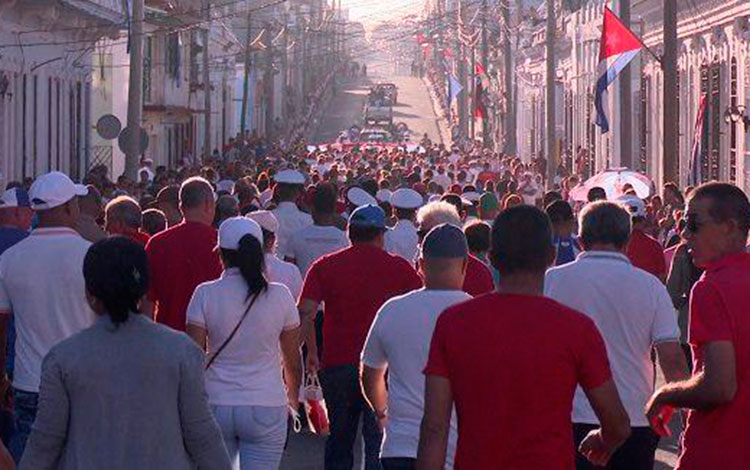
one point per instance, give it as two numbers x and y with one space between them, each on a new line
305 451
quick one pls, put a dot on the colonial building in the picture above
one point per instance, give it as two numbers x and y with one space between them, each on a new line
45 92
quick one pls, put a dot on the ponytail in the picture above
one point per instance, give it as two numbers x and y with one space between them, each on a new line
250 260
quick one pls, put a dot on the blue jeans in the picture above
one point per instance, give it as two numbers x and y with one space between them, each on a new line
255 434
346 404
25 406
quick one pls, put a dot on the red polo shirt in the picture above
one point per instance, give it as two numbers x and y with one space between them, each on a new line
139 237
353 284
720 311
179 259
478 278
513 362
646 253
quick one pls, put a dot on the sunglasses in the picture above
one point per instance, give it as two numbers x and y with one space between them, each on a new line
692 224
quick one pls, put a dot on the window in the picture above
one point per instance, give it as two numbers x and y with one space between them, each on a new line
645 121
733 102
174 57
148 57
715 121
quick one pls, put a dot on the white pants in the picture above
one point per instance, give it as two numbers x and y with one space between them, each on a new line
254 435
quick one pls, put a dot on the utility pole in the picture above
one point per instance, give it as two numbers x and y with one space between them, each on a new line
269 85
472 73
486 68
207 86
510 102
284 72
671 111
135 93
626 107
551 147
246 81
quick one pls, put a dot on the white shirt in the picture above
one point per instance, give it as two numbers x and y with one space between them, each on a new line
284 273
399 339
291 220
443 181
41 283
313 242
632 310
403 240
248 370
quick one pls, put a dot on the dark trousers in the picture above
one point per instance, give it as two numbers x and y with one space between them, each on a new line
637 453
25 407
399 463
346 404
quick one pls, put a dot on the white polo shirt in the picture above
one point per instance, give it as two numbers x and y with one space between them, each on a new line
247 372
399 339
632 310
41 283
403 240
284 273
313 242
291 220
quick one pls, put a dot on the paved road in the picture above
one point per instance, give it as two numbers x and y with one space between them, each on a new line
305 451
414 107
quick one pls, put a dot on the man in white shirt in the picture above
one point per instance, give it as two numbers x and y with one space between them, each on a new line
399 342
633 312
41 284
289 186
276 269
322 237
402 239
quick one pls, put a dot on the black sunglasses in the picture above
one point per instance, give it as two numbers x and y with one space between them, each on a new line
692 224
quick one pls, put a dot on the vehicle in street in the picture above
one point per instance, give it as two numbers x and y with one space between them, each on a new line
389 90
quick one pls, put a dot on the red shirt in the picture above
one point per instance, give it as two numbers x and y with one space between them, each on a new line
139 237
514 362
720 311
354 283
179 259
646 253
478 278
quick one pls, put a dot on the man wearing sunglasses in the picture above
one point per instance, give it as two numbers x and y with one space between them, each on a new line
718 394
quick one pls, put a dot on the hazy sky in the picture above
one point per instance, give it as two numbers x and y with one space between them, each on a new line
375 11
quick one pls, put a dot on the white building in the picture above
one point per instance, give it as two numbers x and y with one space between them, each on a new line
45 56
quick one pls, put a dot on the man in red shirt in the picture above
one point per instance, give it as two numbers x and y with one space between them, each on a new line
510 361
353 284
183 256
643 250
122 216
718 394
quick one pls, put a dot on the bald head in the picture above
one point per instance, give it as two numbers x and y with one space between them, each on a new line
122 216
197 200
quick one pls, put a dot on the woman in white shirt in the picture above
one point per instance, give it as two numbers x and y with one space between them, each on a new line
246 325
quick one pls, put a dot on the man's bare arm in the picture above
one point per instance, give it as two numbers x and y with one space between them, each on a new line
436 422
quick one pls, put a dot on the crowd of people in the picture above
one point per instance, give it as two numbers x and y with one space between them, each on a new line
457 309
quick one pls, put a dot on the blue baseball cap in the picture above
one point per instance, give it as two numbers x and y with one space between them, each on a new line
445 241
15 197
368 215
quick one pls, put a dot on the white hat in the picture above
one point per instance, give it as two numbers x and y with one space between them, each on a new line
54 189
225 185
360 197
234 228
289 177
472 196
15 197
633 204
406 198
383 195
265 219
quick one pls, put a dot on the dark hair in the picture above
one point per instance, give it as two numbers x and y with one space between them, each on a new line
550 197
455 200
154 221
404 213
559 211
521 240
250 260
359 234
116 273
596 193
324 198
605 222
478 236
728 202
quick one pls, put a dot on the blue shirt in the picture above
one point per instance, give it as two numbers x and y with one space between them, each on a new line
9 236
567 250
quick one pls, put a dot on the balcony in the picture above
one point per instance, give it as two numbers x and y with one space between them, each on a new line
108 10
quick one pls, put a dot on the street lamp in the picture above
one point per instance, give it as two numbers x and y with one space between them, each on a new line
735 114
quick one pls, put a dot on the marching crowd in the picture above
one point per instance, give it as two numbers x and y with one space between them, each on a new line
451 308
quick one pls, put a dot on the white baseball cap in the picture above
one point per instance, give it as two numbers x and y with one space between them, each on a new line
54 189
406 198
233 229
359 197
289 177
265 219
633 204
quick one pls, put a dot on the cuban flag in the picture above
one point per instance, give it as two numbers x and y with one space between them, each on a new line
617 48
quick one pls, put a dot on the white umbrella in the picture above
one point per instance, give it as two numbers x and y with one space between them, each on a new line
613 181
